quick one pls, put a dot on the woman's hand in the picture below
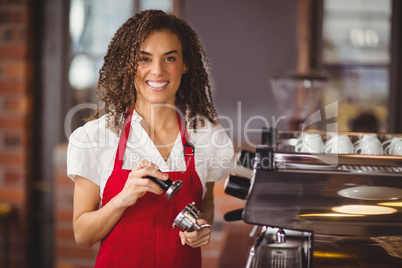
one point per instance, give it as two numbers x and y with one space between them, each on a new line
92 224
137 186
196 238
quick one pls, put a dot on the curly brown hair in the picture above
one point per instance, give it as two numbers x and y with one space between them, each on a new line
116 77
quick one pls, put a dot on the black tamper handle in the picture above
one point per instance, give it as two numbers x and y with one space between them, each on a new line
170 187
163 184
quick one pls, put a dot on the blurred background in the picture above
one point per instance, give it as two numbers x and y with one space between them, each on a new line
50 55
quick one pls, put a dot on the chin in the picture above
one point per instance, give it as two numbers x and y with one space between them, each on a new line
162 102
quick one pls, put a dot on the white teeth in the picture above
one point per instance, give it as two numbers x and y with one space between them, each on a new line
156 84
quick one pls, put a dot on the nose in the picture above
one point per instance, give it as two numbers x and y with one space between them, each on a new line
157 67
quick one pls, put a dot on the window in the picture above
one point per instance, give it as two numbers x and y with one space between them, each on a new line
352 47
92 24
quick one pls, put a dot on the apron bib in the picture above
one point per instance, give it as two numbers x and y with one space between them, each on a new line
144 237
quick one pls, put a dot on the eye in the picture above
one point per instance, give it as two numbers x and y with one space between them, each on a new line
170 58
145 59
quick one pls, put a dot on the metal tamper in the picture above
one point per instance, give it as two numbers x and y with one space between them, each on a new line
170 187
187 219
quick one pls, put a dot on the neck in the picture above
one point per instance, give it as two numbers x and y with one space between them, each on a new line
158 117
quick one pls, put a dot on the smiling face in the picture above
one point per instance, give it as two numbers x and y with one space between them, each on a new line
159 70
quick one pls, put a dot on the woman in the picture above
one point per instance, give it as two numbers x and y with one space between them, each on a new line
156 100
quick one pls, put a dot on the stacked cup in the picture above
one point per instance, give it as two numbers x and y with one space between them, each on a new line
368 144
310 142
393 146
339 144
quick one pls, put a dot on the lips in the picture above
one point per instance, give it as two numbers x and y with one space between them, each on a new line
157 85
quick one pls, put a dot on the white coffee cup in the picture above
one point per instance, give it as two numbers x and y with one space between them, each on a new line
396 148
339 144
389 146
370 146
310 142
366 137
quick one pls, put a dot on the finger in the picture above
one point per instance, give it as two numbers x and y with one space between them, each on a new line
150 187
191 235
198 242
194 236
198 238
146 164
201 221
182 238
144 185
154 173
148 171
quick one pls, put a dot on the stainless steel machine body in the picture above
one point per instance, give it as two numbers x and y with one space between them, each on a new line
321 198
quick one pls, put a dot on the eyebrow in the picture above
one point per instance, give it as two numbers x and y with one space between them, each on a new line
167 53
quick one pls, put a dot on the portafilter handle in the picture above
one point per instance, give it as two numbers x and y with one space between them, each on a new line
237 186
186 220
245 158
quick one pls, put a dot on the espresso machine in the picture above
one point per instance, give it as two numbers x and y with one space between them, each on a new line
317 209
301 202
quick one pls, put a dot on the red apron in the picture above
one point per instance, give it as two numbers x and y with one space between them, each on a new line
143 237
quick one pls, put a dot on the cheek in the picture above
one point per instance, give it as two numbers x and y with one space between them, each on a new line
177 71
139 73
138 77
136 81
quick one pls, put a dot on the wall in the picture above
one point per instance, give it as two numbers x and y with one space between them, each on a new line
247 42
67 253
15 119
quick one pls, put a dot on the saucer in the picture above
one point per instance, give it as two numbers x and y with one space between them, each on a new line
366 192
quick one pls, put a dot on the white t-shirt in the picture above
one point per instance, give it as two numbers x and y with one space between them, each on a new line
92 150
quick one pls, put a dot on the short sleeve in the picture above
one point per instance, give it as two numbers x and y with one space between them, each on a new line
81 158
214 151
221 161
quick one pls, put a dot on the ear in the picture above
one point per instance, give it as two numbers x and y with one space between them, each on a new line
185 69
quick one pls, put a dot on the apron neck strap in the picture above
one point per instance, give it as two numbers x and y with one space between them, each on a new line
121 148
188 147
118 163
